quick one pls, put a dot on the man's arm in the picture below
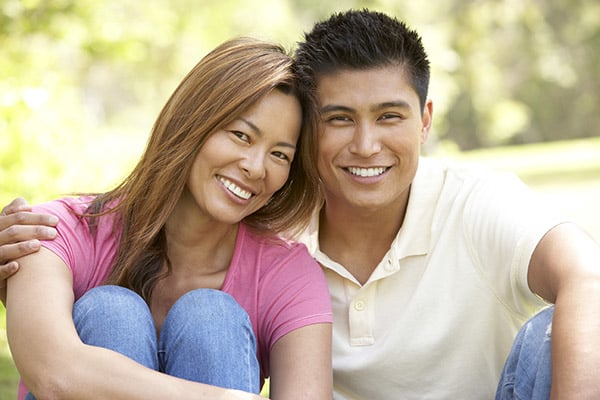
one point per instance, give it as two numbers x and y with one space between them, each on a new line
565 270
20 233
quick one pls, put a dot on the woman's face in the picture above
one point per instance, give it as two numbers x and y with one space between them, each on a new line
241 166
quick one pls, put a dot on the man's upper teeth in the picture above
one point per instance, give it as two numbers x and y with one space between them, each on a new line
235 189
366 171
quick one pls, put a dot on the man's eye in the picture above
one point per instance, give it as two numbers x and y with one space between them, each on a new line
337 118
391 117
340 118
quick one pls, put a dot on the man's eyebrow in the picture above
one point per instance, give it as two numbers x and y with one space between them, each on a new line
376 107
391 104
334 107
259 133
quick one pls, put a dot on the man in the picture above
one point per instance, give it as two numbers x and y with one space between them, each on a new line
432 270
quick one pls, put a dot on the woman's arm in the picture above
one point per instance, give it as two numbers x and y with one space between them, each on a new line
53 361
20 230
301 364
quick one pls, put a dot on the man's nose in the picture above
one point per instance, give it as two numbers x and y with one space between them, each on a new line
365 141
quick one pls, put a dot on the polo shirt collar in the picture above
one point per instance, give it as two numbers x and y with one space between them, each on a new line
413 238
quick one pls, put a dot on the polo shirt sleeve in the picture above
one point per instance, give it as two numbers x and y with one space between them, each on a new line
504 222
294 294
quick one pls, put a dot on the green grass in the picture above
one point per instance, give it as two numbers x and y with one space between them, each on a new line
565 172
543 164
9 376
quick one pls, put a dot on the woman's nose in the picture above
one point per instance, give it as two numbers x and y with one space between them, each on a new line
253 165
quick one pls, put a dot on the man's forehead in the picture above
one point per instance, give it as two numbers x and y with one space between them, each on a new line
378 85
392 69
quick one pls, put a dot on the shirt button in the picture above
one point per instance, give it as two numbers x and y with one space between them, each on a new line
389 266
359 305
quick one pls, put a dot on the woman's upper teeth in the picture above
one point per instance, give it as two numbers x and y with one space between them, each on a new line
235 189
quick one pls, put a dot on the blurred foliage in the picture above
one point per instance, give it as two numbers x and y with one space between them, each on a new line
527 72
81 82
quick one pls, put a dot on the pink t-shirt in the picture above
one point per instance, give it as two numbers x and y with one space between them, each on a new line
277 282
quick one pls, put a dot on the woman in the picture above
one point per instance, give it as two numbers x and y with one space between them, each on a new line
200 288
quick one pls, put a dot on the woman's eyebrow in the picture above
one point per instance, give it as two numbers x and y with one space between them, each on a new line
260 134
252 126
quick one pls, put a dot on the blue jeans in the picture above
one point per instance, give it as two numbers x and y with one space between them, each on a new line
206 336
527 374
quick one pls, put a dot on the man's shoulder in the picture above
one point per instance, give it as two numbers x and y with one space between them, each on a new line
454 172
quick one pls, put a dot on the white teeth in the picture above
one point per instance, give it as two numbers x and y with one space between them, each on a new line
365 172
235 189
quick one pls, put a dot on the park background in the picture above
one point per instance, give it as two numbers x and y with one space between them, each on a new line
515 86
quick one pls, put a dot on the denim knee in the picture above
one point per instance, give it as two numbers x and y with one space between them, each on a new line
527 373
207 337
111 305
109 299
118 319
210 306
204 315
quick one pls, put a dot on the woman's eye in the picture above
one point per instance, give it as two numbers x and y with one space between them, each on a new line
241 136
281 155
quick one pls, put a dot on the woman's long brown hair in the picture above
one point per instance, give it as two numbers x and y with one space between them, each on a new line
224 84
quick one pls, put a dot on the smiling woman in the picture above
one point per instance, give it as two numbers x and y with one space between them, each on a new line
174 270
250 158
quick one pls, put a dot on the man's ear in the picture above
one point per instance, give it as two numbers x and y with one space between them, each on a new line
426 120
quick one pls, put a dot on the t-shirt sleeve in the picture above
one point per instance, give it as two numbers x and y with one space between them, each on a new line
76 245
294 295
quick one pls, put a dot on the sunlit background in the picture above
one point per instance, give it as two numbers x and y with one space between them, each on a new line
515 85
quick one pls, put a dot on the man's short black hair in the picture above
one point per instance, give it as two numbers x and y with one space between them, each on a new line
362 39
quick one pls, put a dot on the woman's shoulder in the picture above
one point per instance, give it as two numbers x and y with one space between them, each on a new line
65 205
68 209
74 227
87 252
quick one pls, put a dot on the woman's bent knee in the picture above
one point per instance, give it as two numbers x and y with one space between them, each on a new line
118 319
208 337
208 306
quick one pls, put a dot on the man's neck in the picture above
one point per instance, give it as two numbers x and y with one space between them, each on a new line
358 238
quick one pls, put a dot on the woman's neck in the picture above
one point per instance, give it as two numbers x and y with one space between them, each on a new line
199 243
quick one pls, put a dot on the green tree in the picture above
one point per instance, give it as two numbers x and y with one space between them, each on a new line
528 72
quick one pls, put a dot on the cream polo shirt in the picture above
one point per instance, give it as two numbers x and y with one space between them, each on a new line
438 315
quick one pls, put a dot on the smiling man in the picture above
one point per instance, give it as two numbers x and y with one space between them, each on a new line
433 270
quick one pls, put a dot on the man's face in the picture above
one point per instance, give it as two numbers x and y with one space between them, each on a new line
370 137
